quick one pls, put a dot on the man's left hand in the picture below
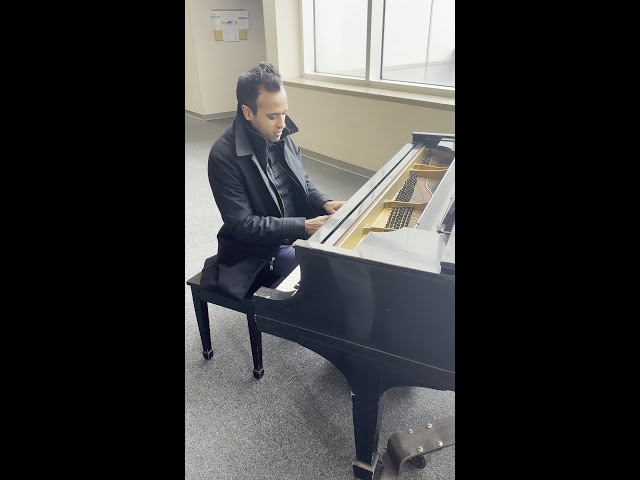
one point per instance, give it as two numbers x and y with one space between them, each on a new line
332 206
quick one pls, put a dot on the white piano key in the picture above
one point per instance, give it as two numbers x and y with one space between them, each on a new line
290 283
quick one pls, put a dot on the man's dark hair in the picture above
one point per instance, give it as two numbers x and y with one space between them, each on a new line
263 75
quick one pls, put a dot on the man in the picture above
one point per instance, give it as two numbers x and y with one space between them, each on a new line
261 189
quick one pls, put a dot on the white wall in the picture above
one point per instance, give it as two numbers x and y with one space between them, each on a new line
217 65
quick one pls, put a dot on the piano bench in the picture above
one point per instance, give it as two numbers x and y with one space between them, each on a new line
200 300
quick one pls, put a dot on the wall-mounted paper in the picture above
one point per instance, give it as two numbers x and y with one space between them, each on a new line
214 21
230 31
243 20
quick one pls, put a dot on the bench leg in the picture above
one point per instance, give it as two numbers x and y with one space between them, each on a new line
202 314
256 346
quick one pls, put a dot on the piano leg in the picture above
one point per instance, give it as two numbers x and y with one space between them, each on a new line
366 392
256 346
202 315
367 384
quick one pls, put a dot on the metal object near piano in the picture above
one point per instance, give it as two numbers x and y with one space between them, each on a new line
374 293
414 445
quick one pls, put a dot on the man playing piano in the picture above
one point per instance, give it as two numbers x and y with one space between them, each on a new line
265 197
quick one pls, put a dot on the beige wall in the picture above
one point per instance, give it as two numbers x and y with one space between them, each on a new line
217 65
359 131
192 98
282 29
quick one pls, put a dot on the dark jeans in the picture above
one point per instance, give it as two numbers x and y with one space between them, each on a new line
285 261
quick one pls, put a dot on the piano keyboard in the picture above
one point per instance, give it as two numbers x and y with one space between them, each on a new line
291 281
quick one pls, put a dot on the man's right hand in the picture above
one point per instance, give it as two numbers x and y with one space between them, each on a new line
311 226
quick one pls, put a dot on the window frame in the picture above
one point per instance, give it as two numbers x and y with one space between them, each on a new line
375 18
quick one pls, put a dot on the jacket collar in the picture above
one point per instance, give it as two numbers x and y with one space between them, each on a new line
243 143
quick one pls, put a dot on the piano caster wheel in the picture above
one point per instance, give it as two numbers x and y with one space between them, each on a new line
207 355
258 373
419 461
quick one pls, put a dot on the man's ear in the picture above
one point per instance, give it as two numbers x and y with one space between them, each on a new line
246 111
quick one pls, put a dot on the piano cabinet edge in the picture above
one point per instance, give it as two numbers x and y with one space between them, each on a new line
433 139
346 356
323 308
353 255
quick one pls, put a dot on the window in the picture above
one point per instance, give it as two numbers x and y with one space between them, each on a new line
402 44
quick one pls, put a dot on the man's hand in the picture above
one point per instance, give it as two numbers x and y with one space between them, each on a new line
311 226
332 206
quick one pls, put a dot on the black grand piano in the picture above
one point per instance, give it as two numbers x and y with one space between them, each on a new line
374 294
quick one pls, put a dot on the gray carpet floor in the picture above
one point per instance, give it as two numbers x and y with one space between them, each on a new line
295 422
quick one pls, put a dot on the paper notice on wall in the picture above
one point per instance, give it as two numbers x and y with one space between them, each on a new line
230 31
243 20
214 21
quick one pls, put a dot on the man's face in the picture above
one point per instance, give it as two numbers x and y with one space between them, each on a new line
271 111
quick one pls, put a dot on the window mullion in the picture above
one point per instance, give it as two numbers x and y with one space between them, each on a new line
368 60
315 48
375 33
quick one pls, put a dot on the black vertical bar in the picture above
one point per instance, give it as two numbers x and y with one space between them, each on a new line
256 346
202 315
366 392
